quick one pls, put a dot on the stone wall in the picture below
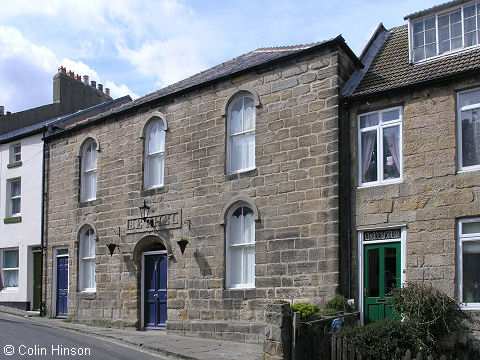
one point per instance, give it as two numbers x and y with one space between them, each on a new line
433 194
294 186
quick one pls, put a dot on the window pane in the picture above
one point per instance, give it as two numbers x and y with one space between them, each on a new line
456 43
88 274
418 54
10 278
236 125
418 39
156 138
471 39
249 115
469 11
469 98
470 227
443 21
471 271
15 188
418 26
470 24
10 259
444 46
443 34
237 153
456 17
249 265
236 227
248 226
391 152
369 156
249 150
431 50
391 115
390 271
368 120
373 273
470 137
236 265
430 37
16 206
154 170
430 23
456 30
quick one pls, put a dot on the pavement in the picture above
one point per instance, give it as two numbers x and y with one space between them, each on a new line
181 347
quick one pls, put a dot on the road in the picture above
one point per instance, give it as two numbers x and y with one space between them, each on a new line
24 338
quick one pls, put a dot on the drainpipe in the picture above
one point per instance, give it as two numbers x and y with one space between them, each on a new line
349 208
42 230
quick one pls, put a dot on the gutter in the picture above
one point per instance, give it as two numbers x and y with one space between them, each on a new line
42 229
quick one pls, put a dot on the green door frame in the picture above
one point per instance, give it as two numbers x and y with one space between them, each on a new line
366 241
382 274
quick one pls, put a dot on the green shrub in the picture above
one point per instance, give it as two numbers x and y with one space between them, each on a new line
307 311
429 313
381 339
336 304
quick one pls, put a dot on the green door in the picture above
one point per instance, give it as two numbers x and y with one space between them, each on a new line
37 283
382 274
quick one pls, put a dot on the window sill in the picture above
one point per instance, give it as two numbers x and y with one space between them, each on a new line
12 220
471 307
155 190
468 169
241 174
87 203
14 165
370 185
10 290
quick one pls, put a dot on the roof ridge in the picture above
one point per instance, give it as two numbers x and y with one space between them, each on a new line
286 48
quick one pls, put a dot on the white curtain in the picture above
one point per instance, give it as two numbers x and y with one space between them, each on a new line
368 143
391 135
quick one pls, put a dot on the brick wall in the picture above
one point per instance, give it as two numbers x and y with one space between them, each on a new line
294 186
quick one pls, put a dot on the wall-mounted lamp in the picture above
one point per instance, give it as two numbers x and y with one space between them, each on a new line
111 247
144 209
182 243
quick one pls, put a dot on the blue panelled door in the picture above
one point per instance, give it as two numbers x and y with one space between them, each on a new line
155 291
62 286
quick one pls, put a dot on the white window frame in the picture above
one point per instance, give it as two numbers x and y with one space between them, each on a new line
10 198
436 15
14 154
84 259
229 284
89 170
461 239
160 154
462 168
379 129
17 269
242 133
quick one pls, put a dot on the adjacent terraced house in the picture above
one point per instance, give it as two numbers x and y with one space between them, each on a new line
414 123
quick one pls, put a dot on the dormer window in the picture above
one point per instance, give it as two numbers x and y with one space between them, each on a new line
444 32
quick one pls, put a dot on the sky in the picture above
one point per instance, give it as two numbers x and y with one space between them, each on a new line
135 47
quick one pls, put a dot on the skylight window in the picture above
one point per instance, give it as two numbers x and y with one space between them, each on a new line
445 32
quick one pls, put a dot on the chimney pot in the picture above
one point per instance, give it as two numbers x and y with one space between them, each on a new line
9 112
107 91
85 79
78 77
71 73
2 110
100 87
94 84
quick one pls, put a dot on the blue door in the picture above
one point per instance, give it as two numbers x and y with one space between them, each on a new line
62 286
155 296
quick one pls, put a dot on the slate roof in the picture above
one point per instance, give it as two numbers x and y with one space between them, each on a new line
246 62
64 120
391 68
435 9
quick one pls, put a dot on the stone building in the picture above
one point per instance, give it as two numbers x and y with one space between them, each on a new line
241 160
414 160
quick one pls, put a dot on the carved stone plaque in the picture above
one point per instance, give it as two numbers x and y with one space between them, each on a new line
169 219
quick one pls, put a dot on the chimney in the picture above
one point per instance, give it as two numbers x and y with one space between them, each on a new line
107 91
78 77
100 87
61 69
9 113
2 110
71 73
94 84
85 79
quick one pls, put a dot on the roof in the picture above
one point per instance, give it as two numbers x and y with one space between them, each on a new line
64 119
435 9
392 69
246 62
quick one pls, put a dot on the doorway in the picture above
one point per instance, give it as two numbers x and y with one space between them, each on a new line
62 284
154 283
382 270
37 281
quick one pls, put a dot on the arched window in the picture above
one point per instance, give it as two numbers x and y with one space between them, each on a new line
89 171
154 154
87 260
241 135
240 248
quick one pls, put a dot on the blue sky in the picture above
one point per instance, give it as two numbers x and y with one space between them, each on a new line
137 47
